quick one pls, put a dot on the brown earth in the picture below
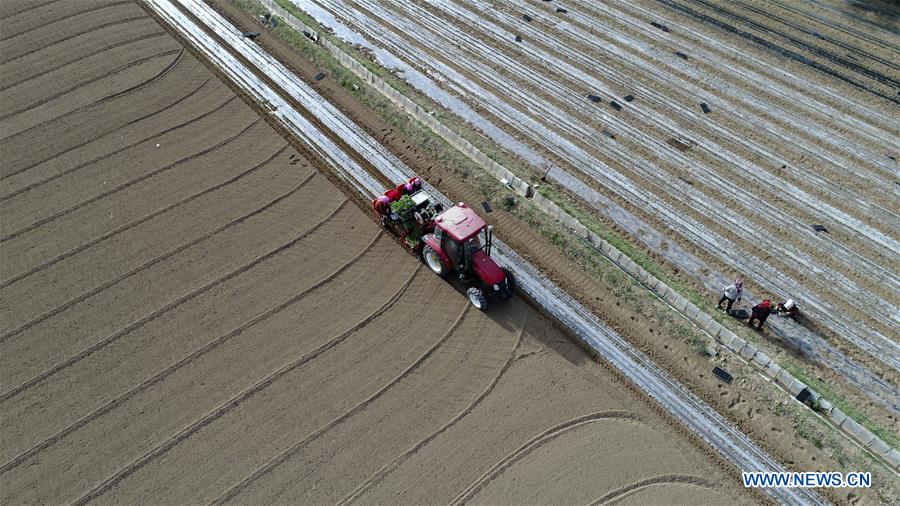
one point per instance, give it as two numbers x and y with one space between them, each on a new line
751 403
191 311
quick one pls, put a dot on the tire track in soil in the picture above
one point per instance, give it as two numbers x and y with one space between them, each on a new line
142 219
162 375
118 70
27 9
66 16
400 459
69 37
65 286
99 51
130 78
663 479
291 451
181 300
122 186
241 397
535 442
108 134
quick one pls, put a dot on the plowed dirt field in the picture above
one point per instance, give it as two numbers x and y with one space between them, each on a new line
192 313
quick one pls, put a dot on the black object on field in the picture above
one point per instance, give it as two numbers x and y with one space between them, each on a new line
722 374
526 17
561 10
681 55
629 98
518 38
705 108
609 134
320 76
820 228
615 105
487 207
251 35
660 26
803 396
740 314
594 98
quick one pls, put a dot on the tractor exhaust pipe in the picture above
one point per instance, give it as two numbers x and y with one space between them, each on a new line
489 239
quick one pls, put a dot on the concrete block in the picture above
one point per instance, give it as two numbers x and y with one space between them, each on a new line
606 247
662 289
796 387
629 265
553 211
893 458
681 304
761 360
854 429
772 371
614 255
692 312
571 222
593 239
737 344
748 352
784 378
837 416
702 319
715 328
866 436
539 200
580 230
879 447
672 296
825 406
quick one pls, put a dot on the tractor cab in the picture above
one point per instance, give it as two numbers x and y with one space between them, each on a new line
461 242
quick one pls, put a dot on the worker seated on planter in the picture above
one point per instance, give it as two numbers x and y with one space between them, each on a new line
787 308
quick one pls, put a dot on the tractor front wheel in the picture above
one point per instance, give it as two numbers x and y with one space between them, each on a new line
477 298
434 262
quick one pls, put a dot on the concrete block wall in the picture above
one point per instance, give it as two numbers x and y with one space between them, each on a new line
704 321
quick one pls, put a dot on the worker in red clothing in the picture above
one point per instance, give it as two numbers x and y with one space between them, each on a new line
760 312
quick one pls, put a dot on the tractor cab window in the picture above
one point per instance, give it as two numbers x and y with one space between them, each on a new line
472 245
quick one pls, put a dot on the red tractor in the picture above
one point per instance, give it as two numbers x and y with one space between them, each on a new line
456 240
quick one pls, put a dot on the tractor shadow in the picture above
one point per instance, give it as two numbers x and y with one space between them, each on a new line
511 314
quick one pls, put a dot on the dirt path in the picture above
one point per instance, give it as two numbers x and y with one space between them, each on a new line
181 287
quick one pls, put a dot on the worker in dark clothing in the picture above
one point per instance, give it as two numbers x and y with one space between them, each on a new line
760 312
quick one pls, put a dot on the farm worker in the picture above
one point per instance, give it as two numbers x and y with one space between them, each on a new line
787 308
381 204
394 193
760 312
413 185
731 293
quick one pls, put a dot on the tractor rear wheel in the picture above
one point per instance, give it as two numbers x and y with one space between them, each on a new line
477 298
434 262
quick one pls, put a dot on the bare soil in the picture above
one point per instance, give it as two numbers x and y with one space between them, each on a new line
192 312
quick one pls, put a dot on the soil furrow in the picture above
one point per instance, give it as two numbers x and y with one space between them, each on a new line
181 300
397 461
117 70
79 205
656 480
142 219
162 375
287 454
72 168
533 443
112 481
81 59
